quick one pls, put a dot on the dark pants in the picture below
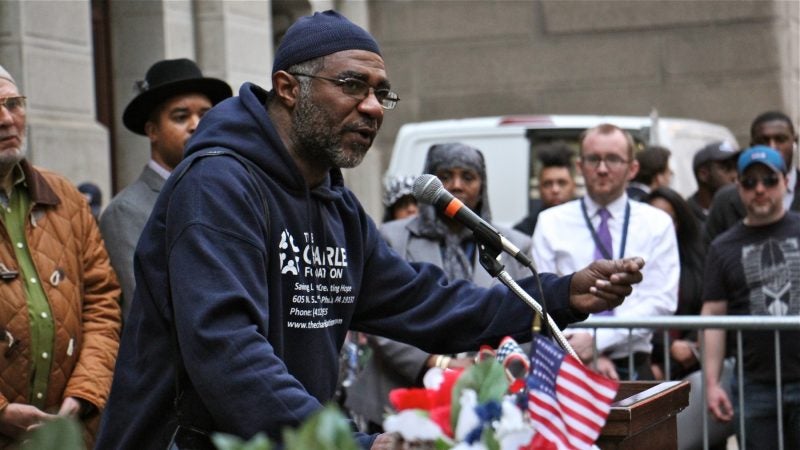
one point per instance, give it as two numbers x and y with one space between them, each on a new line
760 413
641 368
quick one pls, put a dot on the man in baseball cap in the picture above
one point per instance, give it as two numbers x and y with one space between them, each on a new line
773 129
171 99
752 270
714 167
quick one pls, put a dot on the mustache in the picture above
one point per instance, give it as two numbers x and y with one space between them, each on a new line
371 125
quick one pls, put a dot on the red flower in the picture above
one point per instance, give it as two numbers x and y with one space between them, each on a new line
435 401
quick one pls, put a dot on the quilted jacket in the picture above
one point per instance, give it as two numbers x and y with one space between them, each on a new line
83 294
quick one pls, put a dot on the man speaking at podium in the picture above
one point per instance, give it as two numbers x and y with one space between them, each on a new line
257 259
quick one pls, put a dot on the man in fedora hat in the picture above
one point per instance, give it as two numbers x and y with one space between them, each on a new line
257 260
172 98
59 315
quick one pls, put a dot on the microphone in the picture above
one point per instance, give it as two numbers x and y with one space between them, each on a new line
428 189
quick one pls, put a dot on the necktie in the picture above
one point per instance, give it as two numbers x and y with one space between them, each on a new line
603 237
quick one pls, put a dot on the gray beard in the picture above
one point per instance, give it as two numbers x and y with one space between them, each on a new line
317 140
9 160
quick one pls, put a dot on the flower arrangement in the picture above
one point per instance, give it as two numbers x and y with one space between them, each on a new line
499 404
503 402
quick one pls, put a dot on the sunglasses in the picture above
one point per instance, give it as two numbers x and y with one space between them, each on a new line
768 181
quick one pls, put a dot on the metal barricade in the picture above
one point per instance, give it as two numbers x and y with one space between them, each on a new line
736 324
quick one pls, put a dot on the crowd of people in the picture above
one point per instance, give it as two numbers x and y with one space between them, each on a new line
214 293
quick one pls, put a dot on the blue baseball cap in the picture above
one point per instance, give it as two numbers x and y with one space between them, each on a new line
761 154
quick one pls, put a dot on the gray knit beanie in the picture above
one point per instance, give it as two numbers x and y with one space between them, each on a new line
455 154
318 35
7 76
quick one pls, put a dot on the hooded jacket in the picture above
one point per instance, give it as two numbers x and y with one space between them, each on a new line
260 300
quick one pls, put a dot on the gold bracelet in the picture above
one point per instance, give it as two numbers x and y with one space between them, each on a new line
444 362
438 361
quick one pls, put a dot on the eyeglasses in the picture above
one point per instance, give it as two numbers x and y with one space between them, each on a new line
768 181
13 104
612 161
359 89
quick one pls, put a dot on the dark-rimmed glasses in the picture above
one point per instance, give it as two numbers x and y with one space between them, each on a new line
612 161
768 181
359 89
13 104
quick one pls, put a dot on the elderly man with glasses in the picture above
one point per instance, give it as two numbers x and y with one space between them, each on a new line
257 260
59 316
605 223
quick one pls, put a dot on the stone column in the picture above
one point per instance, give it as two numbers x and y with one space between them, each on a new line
234 41
141 34
47 47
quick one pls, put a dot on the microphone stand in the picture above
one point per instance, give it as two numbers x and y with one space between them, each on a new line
488 257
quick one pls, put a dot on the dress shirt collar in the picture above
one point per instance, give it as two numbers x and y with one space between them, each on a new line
616 207
157 168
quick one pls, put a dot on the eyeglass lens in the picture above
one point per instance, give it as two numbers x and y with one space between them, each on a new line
359 88
768 181
13 103
612 161
354 86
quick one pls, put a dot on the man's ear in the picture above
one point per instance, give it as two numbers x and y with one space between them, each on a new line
151 130
633 170
286 87
703 173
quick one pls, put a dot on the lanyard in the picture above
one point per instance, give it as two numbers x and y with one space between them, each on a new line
606 253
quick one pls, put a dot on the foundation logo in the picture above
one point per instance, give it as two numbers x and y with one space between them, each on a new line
289 254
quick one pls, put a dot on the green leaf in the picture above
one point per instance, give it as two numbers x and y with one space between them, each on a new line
328 429
489 439
62 433
230 442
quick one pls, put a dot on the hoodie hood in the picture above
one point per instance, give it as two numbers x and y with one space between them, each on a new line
242 125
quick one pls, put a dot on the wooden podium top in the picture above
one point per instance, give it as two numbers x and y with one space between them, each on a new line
645 412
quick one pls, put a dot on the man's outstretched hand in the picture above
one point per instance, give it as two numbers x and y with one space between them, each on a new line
604 284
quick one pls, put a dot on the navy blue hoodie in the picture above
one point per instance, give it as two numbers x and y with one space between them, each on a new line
262 299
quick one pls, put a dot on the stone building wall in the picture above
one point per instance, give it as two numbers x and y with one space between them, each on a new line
718 61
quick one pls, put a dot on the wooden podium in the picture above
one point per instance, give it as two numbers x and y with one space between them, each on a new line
644 416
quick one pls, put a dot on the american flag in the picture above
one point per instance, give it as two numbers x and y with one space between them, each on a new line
568 403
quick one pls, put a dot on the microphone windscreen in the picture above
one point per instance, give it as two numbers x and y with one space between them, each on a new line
427 188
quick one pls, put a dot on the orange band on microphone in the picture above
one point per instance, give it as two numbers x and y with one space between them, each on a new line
453 207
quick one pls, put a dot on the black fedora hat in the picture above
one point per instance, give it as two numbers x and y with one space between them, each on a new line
165 79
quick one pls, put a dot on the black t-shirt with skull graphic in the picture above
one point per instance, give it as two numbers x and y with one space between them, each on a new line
757 271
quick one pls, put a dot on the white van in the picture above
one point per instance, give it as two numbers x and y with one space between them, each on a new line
509 145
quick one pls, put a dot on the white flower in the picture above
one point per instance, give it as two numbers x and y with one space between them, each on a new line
433 378
468 420
511 430
515 439
413 425
511 419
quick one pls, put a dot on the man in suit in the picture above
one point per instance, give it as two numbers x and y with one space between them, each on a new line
172 98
